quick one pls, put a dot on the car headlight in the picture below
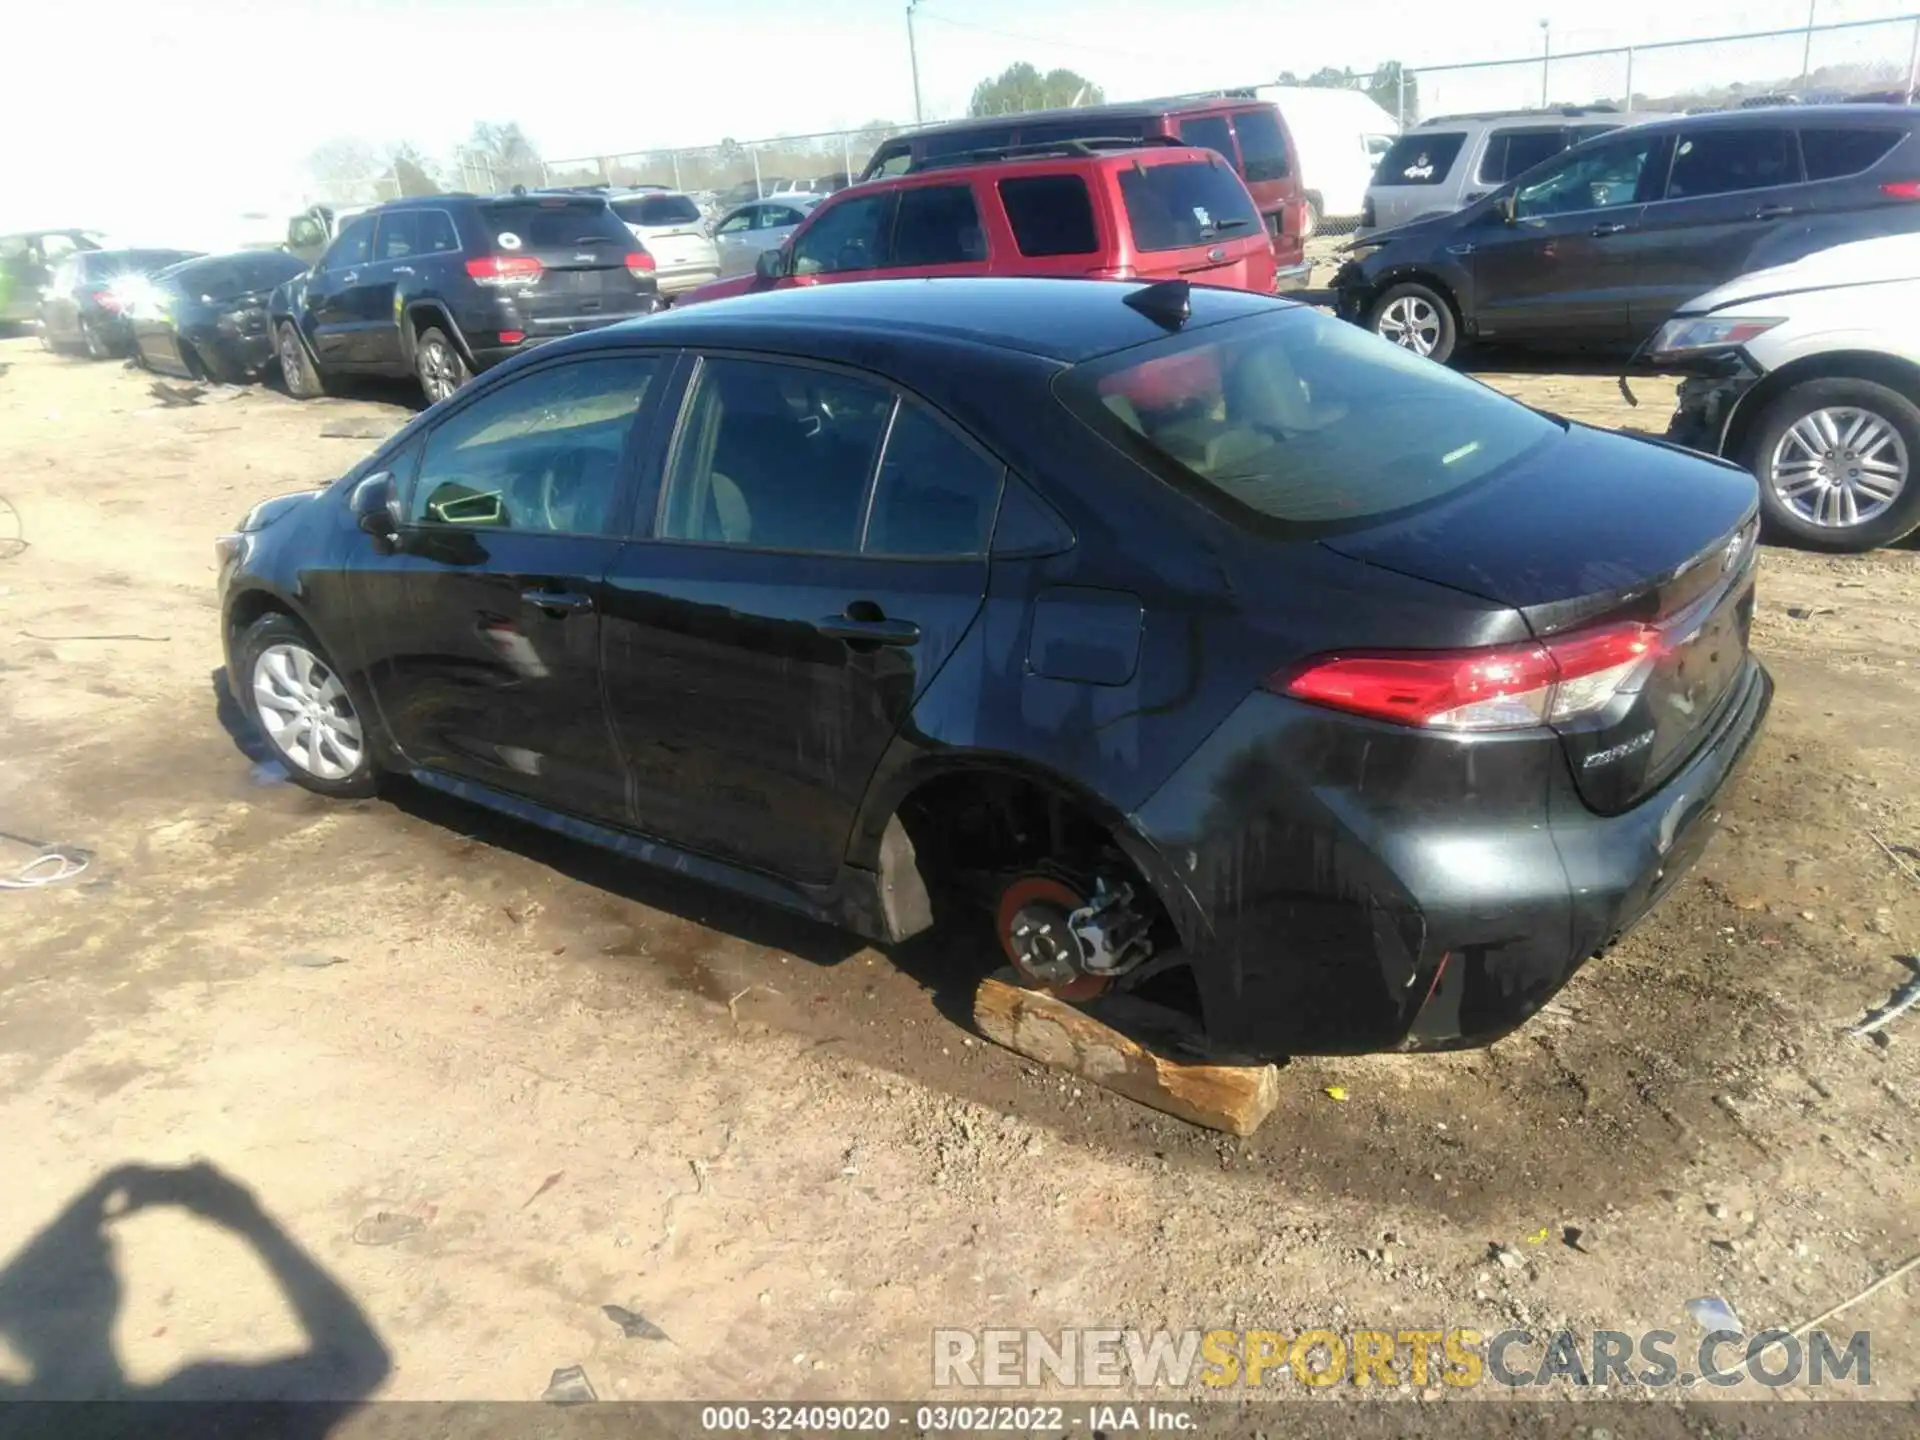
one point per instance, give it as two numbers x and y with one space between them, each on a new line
1690 334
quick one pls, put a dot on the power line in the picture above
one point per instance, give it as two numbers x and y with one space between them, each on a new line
1037 39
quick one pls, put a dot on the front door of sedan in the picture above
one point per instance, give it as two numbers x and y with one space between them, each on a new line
331 322
1561 268
481 636
764 646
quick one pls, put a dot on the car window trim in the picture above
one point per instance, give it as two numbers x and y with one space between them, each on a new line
1660 143
622 519
902 395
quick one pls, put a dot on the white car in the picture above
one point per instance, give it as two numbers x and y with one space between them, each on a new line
670 225
1808 374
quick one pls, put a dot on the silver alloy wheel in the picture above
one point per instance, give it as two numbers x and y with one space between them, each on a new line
1839 467
1411 323
306 713
292 362
437 376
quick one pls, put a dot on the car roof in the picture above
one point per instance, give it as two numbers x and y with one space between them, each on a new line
1063 320
1054 156
1125 110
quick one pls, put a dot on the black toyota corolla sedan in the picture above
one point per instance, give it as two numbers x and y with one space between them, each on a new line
207 319
1195 639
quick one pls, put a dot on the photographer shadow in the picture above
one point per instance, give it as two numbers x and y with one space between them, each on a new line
61 1293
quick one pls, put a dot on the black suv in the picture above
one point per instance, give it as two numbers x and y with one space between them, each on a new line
442 286
1601 243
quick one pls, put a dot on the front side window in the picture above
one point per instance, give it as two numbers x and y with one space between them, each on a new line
775 457
740 221
352 246
1296 419
1422 158
1606 175
1722 162
1184 203
1050 215
1263 145
937 225
851 235
540 454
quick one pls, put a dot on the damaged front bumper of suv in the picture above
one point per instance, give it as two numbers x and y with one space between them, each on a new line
1706 400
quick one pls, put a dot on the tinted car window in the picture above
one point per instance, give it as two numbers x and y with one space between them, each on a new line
541 453
774 217
1050 214
1185 203
434 232
776 457
936 494
1209 132
1420 159
985 137
1514 152
658 210
1719 162
849 236
1263 145
395 237
264 271
1294 417
1607 174
1833 152
351 246
937 225
543 224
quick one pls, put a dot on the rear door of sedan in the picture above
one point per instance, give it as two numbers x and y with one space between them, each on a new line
817 552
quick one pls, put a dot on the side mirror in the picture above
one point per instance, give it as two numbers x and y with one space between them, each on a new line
771 264
376 509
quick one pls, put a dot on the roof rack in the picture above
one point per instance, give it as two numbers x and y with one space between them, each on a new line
1560 110
1043 150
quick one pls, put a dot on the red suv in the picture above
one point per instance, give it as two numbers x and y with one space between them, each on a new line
1250 133
1067 210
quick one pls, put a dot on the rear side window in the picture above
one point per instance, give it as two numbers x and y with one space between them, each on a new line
1721 162
1294 417
1838 151
434 232
937 225
1263 145
1050 215
395 239
658 210
552 224
1420 159
1177 205
1514 152
1209 132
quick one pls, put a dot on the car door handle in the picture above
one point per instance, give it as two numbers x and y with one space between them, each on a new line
857 629
1610 228
558 602
1773 212
350 277
403 269
1463 247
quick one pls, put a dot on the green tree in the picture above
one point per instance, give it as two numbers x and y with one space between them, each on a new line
1384 88
1021 87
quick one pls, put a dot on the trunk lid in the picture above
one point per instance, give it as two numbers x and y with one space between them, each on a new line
1596 529
582 248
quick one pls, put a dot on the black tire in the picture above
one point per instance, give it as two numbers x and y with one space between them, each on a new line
440 366
1896 441
311 735
90 341
301 376
1411 315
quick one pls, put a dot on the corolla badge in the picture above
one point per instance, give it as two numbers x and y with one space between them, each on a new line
1730 556
1618 752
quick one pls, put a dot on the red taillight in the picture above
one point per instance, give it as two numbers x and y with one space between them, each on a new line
512 337
1509 688
505 269
639 263
1902 189
109 302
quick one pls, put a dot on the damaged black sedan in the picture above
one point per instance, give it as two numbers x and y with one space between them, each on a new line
207 319
1188 642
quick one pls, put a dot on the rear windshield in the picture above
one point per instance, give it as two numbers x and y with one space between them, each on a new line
545 224
1263 144
658 210
1299 419
232 276
1188 202
1423 158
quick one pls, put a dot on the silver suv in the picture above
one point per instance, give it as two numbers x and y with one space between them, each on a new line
1445 164
670 225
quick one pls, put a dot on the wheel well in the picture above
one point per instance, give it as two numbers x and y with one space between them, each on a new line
1870 365
1419 277
430 314
249 607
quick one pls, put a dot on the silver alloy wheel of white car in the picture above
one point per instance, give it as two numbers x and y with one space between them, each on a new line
1840 466
1411 323
306 713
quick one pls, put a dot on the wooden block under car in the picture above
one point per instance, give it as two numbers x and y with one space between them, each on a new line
1233 1098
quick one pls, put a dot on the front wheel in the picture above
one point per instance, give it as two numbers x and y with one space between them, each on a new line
1415 317
292 692
302 377
440 366
1835 463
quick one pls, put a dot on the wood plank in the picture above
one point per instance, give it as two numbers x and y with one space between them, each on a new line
1233 1098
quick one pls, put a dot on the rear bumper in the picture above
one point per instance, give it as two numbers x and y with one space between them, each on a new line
486 350
678 282
1345 887
1292 277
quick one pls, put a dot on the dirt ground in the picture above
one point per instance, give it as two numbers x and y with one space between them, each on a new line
482 1083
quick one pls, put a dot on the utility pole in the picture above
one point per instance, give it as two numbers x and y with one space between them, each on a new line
1546 58
913 58
1806 50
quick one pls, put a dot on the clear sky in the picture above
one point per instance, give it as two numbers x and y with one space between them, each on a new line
148 116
